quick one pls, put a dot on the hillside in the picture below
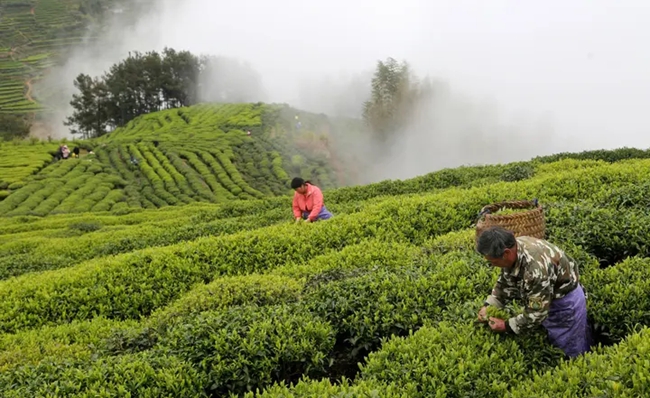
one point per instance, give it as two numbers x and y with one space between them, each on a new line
182 156
33 35
208 299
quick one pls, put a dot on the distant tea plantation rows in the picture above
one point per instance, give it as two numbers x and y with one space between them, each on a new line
220 293
181 156
33 34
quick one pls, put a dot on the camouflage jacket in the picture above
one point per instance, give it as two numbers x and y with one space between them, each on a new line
542 272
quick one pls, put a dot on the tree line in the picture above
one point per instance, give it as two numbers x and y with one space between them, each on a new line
151 82
141 83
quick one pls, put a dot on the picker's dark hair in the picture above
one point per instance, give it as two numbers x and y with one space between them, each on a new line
297 182
493 241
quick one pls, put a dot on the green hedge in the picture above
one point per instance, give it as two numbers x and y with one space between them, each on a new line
75 340
456 360
607 155
307 388
609 234
617 371
40 254
244 348
366 305
618 296
226 292
135 284
367 254
142 375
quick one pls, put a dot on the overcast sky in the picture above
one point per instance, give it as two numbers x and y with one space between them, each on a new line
582 66
586 63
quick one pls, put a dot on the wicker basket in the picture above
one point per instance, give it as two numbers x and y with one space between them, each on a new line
525 223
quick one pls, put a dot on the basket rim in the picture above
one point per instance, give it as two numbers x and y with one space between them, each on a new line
513 204
527 205
537 212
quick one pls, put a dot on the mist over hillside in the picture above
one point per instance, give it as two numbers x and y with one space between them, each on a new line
515 80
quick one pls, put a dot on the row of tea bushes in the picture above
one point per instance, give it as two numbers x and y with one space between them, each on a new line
134 284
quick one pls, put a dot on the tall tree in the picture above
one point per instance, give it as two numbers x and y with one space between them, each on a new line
139 84
394 94
90 117
180 77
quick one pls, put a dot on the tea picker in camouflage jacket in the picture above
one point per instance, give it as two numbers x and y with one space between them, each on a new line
546 281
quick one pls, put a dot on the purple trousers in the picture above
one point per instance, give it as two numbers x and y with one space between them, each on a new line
324 214
567 325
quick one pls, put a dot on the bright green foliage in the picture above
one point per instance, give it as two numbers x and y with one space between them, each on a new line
618 296
306 388
228 292
57 250
624 198
610 156
245 348
19 160
135 284
173 157
365 256
591 228
455 240
618 371
74 340
367 305
500 313
143 375
452 360
215 299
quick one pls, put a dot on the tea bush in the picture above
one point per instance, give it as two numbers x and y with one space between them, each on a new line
378 303
212 299
617 371
452 360
143 374
618 296
245 348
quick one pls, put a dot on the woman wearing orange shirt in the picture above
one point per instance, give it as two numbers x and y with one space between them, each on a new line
308 202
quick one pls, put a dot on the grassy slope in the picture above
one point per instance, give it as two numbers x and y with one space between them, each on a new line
196 154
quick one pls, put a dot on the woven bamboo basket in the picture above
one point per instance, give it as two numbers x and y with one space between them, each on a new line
525 223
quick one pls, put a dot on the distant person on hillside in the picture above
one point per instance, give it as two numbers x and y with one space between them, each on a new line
546 280
308 202
75 152
65 152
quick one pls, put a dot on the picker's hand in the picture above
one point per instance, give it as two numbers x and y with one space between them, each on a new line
482 314
497 325
298 219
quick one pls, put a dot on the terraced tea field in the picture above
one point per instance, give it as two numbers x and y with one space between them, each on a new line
33 34
164 261
233 298
179 156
